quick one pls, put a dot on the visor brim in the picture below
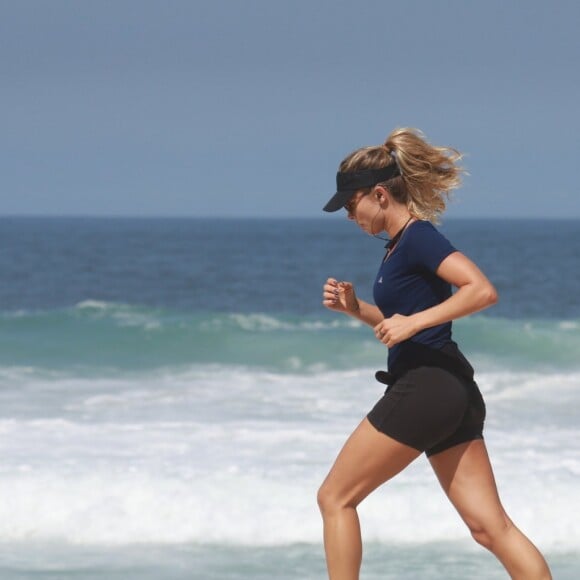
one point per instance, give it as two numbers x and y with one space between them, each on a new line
338 201
348 183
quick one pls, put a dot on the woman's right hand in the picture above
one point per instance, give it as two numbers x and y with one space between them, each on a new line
340 296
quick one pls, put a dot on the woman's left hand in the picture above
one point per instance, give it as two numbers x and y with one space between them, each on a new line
395 329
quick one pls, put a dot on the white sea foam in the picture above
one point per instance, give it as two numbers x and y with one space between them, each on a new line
267 323
509 385
569 325
122 314
231 454
94 304
121 486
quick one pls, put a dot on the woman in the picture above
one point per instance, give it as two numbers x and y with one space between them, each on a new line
432 403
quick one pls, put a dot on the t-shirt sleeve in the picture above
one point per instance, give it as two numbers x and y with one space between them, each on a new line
427 247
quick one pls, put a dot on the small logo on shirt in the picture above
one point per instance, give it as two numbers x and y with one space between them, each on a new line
380 280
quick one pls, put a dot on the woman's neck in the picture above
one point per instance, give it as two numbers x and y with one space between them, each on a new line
395 223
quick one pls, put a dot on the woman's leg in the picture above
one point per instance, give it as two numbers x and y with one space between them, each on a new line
368 459
466 476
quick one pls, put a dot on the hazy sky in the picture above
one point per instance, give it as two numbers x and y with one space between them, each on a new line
245 108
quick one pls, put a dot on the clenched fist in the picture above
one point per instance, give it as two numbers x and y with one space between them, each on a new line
340 296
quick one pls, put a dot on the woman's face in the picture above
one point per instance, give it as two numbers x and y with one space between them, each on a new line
365 210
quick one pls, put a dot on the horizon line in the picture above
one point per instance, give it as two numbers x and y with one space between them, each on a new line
260 217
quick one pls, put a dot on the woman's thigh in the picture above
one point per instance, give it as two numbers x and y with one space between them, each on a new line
466 476
368 459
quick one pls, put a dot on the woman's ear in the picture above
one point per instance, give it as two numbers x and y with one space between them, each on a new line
381 195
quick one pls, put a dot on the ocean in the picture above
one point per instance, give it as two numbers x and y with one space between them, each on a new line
172 394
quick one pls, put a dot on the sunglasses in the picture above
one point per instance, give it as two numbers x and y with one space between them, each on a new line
351 204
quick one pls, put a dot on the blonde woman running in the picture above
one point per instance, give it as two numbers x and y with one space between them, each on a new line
432 403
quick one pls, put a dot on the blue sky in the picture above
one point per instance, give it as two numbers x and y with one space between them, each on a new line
245 108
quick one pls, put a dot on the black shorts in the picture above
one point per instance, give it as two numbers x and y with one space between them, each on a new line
430 409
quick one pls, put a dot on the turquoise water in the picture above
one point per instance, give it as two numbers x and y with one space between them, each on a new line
437 561
94 335
172 394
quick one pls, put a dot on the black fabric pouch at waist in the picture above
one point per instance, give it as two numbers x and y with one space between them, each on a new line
415 355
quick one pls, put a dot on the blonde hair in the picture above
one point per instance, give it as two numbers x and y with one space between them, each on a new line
428 173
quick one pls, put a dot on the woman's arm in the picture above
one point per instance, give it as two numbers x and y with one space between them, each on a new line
341 297
367 313
475 292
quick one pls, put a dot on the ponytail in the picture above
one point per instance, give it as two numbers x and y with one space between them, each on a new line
428 173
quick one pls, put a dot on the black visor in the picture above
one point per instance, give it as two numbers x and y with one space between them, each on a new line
348 183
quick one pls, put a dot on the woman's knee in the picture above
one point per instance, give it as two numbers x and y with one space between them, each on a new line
488 534
330 500
327 501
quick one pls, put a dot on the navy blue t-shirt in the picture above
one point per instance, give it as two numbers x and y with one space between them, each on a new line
406 282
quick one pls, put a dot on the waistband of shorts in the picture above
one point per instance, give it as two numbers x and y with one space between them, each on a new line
415 355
